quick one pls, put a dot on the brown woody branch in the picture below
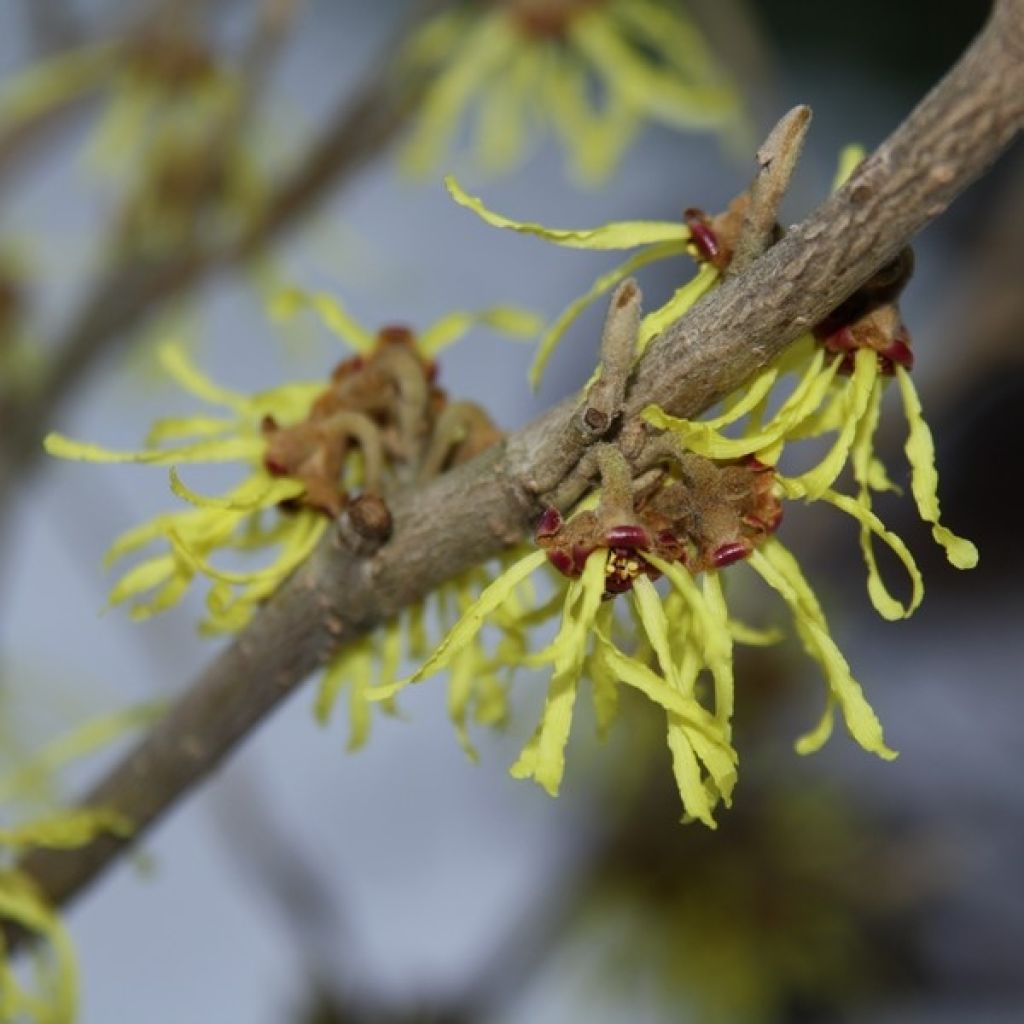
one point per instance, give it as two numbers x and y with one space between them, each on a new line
473 513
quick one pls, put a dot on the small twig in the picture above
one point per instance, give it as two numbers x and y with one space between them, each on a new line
776 159
474 512
604 399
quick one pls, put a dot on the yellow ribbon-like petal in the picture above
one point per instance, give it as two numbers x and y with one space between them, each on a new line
617 235
231 449
470 623
780 571
289 301
516 323
924 479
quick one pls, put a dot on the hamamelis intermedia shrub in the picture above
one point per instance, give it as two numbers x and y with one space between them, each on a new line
635 578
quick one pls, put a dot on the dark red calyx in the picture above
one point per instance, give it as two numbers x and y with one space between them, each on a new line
395 334
755 465
628 536
562 561
701 234
899 353
841 340
549 524
726 554
347 367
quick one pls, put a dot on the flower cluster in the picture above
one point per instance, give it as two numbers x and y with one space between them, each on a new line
592 70
172 128
49 994
381 420
710 493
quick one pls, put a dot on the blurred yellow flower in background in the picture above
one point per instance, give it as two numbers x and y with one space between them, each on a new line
592 72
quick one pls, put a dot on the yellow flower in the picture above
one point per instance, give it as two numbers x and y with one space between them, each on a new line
655 240
530 65
238 520
54 996
839 375
277 508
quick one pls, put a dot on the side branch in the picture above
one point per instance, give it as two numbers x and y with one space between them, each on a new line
471 514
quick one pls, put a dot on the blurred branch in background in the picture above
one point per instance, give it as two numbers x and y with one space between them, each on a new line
140 285
352 584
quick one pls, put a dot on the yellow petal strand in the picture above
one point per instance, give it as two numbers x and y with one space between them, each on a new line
516 323
330 686
924 480
685 768
359 713
652 616
850 158
304 539
256 493
594 139
604 681
701 437
682 301
543 759
751 397
20 903
855 402
506 110
885 604
617 235
688 725
781 572
66 829
470 623
719 647
173 428
673 37
465 78
289 301
233 449
462 678
54 81
176 361
145 576
604 284
659 93
710 627
811 742
95 734
750 636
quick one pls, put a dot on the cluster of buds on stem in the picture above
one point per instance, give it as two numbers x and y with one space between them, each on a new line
698 513
386 407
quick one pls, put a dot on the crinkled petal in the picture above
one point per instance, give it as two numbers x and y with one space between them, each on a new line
177 363
617 235
885 604
682 301
856 397
231 449
516 323
289 301
471 622
781 572
256 493
924 480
